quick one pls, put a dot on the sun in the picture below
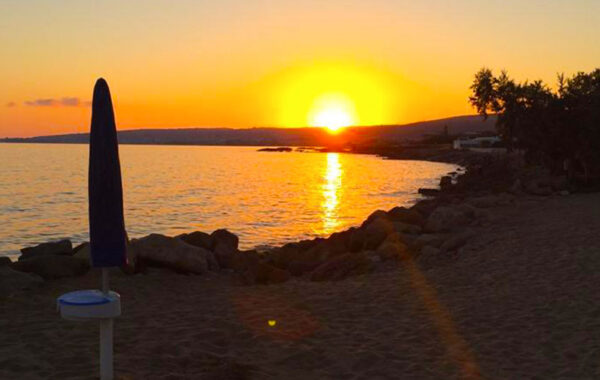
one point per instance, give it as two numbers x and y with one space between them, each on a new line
333 119
333 111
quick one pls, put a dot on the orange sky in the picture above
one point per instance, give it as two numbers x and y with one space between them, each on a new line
274 63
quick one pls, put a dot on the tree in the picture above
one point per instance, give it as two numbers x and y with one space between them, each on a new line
550 127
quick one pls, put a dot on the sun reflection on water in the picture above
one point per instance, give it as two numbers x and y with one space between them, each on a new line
331 193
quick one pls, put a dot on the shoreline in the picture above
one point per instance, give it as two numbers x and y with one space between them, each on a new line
262 252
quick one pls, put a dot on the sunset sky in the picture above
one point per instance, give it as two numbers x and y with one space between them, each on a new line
244 63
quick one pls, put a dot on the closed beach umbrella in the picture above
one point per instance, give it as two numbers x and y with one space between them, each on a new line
107 229
107 225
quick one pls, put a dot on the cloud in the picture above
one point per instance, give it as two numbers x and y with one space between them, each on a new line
41 103
70 102
11 104
51 102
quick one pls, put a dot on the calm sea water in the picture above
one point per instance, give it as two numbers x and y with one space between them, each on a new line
264 198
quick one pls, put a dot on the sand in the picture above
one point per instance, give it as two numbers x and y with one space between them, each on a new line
521 300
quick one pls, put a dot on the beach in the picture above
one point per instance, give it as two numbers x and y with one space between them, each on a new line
518 300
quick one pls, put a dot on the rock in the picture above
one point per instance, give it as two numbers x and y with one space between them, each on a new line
82 251
393 248
424 208
357 240
445 183
485 201
342 266
376 232
300 267
406 215
12 281
447 218
375 215
198 239
253 271
225 246
268 274
4 261
336 244
563 193
456 241
62 247
224 237
53 266
428 192
406 228
432 240
339 242
168 252
281 257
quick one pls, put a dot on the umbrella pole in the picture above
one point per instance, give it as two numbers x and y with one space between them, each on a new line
106 337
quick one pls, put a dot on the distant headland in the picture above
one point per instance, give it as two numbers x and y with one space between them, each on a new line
282 136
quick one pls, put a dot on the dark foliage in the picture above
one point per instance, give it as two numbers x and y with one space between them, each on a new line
559 129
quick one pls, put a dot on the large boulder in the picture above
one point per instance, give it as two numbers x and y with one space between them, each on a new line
198 239
302 266
393 248
337 244
356 242
446 183
264 273
82 251
432 240
12 280
428 192
376 232
168 252
342 266
406 228
406 215
299 257
53 266
62 247
225 246
377 214
4 261
252 270
424 208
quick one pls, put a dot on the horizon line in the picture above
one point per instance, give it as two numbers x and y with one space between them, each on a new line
255 127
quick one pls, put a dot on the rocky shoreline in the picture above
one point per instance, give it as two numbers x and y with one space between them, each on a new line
432 230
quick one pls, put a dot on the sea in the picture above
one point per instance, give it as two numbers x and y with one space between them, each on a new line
266 198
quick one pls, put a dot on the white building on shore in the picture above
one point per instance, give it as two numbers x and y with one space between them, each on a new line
475 142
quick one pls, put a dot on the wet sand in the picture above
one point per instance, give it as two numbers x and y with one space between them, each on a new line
520 300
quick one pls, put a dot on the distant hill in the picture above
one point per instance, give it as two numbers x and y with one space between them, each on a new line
282 136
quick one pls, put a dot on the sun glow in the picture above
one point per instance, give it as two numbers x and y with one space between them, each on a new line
332 95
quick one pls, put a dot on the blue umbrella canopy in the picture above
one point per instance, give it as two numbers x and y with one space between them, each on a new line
107 225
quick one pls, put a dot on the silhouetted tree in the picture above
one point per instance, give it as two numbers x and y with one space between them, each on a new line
551 127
